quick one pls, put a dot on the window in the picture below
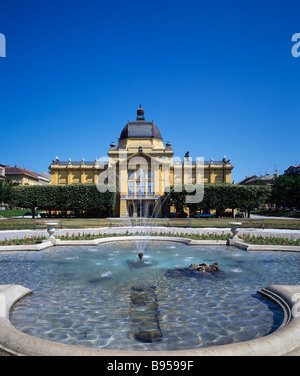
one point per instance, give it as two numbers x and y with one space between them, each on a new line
130 174
140 188
140 174
131 188
150 188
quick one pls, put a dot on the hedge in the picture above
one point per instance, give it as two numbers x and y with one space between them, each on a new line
77 198
222 196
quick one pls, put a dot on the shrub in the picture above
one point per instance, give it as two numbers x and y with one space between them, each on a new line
77 198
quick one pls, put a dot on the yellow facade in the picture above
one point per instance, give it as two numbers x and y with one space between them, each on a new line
143 167
22 176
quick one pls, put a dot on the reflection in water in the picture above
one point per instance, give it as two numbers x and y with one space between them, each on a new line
144 314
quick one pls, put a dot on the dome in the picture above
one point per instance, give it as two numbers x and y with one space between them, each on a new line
140 128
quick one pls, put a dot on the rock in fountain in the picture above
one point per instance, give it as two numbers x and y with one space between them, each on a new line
196 271
205 268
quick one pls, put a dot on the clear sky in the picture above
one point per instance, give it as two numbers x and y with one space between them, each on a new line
217 77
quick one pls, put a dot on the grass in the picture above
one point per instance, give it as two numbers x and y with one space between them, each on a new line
277 213
14 213
75 223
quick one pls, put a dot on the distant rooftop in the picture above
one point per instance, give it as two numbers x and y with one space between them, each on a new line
22 171
252 180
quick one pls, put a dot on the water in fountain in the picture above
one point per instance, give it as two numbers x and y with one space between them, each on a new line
146 223
144 314
144 308
142 225
89 295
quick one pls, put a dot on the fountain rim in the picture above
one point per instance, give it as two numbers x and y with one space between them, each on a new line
234 241
230 242
285 340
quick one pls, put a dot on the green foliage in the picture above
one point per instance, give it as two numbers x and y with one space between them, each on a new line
6 191
223 196
76 198
176 197
14 213
286 191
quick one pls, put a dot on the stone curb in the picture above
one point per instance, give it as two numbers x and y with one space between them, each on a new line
257 247
284 341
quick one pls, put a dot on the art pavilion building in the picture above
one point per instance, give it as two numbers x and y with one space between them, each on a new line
142 168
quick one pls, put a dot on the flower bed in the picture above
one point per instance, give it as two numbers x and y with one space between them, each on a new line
269 240
269 223
88 236
25 240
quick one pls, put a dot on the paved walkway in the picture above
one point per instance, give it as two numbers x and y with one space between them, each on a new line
255 216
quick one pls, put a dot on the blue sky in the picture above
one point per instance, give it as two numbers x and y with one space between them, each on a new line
217 77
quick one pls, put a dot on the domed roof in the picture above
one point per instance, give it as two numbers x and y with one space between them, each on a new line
140 128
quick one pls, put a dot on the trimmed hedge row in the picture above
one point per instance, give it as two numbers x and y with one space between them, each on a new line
223 196
86 198
77 198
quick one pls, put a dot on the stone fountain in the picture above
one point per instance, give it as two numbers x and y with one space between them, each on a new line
51 231
235 230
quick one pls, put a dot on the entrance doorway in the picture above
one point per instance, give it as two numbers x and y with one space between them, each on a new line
141 210
144 209
130 210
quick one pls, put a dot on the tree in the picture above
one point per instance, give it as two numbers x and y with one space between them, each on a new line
6 191
77 198
176 197
286 191
223 196
254 195
26 197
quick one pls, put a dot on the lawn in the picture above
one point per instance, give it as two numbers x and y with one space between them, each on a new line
277 213
14 213
73 223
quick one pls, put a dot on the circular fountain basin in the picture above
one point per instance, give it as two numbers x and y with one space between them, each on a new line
103 298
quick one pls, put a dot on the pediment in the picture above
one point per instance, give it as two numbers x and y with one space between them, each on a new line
149 158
